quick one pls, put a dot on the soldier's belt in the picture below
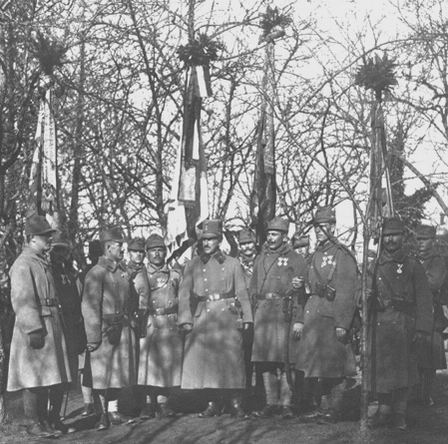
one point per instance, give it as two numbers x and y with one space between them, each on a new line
270 296
116 318
400 305
50 302
213 297
163 311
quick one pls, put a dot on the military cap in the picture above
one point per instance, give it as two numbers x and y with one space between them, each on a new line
61 239
245 236
155 241
278 224
425 232
392 225
211 228
36 225
113 234
300 241
136 244
95 248
324 215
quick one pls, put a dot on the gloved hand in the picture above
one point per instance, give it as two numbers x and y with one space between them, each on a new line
297 282
297 330
92 346
37 339
341 333
185 328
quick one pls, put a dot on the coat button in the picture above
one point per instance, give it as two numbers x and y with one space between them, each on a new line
205 279
204 270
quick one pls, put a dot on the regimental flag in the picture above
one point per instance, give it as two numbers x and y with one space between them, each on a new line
380 187
188 204
43 174
264 193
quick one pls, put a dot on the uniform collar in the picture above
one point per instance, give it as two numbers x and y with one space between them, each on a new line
398 256
153 269
281 251
218 256
109 264
32 254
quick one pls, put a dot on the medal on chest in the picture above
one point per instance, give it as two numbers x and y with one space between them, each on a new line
327 259
400 268
282 262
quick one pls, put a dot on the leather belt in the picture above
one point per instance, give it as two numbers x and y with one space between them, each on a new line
214 297
163 311
270 296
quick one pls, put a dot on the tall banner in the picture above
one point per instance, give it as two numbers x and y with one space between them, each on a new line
189 198
43 174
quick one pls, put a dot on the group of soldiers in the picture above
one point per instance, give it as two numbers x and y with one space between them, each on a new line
276 317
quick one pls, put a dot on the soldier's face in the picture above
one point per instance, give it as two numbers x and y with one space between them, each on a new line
136 256
324 232
156 256
42 242
275 239
210 245
424 245
248 248
60 253
392 242
115 250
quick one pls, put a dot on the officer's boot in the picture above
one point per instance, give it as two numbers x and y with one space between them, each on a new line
270 381
35 427
54 415
426 379
236 407
165 411
149 409
337 400
285 397
104 422
399 408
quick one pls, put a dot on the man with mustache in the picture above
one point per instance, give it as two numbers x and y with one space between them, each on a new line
324 354
401 320
213 309
277 287
433 357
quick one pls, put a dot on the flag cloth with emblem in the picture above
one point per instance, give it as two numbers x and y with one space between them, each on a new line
189 199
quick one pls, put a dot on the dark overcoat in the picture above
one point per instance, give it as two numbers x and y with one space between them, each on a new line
36 307
320 354
403 305
161 350
68 292
436 272
271 284
213 352
107 293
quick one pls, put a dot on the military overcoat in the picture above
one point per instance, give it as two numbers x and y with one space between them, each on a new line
161 350
36 307
403 305
106 296
320 353
213 352
68 292
271 284
436 272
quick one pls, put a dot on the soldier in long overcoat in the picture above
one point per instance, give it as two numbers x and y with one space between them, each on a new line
213 308
433 357
110 338
323 351
277 287
402 319
161 346
68 292
38 361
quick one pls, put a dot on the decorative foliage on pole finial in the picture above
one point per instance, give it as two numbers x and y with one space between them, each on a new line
50 52
377 74
273 23
201 51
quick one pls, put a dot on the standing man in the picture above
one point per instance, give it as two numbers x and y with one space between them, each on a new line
323 354
277 287
68 293
38 362
433 357
110 339
161 344
402 320
214 307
